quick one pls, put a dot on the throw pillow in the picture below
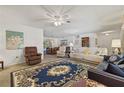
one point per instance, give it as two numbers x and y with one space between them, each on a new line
106 58
121 61
122 69
114 69
114 58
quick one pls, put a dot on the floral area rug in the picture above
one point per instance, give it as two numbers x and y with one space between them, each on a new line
51 74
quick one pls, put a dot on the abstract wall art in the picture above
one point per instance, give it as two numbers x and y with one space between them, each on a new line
14 40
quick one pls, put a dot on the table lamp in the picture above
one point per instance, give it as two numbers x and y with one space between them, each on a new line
116 43
71 46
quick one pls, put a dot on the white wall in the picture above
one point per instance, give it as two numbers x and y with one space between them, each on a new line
102 40
32 37
70 39
106 41
73 39
92 37
55 41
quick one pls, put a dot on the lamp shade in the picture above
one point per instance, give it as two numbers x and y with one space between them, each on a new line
1 58
71 44
116 43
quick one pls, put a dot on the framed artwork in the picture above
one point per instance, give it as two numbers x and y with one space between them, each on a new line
14 40
85 41
64 43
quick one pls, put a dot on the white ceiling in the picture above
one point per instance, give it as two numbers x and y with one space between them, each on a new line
83 19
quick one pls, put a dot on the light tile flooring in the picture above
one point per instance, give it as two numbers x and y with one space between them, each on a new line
5 74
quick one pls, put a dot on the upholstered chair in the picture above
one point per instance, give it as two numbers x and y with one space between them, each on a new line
61 51
31 55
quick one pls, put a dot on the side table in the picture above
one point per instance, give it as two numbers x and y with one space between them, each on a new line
2 64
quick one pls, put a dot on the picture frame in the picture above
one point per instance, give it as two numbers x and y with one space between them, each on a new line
85 41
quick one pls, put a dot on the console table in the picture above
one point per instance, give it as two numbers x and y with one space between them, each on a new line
2 64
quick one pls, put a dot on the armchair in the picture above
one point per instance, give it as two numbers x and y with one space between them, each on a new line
31 56
61 51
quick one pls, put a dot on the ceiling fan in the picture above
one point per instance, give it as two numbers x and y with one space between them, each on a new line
57 18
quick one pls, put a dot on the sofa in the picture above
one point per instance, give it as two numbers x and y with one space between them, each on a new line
105 78
109 73
89 54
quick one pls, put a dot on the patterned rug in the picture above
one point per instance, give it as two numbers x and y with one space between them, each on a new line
61 73
54 74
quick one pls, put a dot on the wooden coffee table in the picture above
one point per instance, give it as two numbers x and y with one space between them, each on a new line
2 64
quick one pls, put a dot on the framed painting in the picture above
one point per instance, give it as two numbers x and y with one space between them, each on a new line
85 41
14 40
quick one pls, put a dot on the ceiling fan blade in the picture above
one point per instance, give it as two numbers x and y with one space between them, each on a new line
68 10
66 16
49 15
53 11
61 11
47 10
41 19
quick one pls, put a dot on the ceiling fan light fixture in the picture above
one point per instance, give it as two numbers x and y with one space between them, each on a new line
55 23
58 18
59 23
